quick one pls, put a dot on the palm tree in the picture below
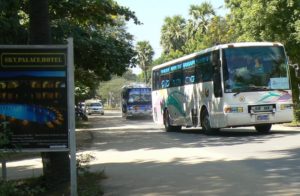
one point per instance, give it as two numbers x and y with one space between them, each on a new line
173 33
144 56
201 16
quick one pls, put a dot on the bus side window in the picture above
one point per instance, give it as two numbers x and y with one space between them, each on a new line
189 75
155 80
204 68
176 78
199 76
164 80
216 73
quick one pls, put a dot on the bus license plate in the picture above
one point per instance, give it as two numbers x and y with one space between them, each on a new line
262 117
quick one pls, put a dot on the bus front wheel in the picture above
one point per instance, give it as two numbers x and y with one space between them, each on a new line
167 124
205 123
264 128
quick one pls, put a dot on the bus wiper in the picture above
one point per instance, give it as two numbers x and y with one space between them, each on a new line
281 90
235 94
253 87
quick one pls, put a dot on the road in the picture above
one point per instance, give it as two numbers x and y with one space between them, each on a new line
140 158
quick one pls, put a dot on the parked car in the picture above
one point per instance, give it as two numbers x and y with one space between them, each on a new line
94 107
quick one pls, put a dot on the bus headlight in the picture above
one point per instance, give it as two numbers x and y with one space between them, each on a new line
286 106
229 109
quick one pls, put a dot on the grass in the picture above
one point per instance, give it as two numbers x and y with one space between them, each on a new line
292 124
88 185
88 182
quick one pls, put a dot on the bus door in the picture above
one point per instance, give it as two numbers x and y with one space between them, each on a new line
216 103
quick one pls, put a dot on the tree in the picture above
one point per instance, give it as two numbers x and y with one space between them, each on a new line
102 46
198 27
55 164
201 16
12 32
144 56
112 88
86 81
173 34
129 75
218 32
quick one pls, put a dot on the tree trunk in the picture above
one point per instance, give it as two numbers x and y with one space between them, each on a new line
295 81
146 77
39 28
56 165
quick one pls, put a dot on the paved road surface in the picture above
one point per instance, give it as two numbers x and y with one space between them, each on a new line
141 159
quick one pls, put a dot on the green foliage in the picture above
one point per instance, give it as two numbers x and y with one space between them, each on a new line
100 38
28 187
180 36
4 134
86 81
218 32
144 57
110 91
274 20
201 16
173 35
297 31
88 183
173 55
102 46
12 31
128 75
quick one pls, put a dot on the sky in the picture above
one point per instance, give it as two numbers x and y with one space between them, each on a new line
152 14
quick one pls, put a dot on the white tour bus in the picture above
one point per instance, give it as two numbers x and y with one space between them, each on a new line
229 85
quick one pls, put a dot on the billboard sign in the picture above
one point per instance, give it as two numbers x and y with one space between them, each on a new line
34 96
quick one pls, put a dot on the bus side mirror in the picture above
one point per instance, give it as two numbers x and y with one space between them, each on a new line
297 69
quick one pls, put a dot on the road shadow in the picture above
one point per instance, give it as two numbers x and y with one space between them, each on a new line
279 176
134 139
115 133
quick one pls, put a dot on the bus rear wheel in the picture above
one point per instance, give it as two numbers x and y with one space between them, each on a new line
205 123
167 124
264 128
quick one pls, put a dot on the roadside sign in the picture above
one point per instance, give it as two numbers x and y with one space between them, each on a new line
37 100
34 97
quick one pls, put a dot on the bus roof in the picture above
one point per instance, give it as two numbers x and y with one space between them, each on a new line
135 85
216 47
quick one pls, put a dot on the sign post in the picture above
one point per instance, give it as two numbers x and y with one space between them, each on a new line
72 137
37 100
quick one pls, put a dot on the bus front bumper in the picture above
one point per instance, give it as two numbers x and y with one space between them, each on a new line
139 113
244 119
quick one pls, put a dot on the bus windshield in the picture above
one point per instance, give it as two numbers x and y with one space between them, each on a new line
139 95
256 68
